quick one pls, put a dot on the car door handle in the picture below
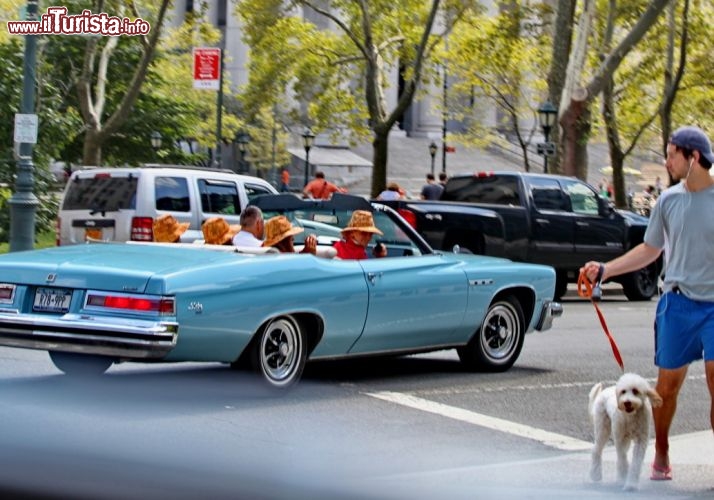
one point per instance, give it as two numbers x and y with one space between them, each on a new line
372 277
542 221
582 224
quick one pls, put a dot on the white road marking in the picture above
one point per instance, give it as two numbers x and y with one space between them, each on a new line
547 438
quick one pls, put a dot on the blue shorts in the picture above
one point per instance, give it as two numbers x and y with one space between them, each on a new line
684 331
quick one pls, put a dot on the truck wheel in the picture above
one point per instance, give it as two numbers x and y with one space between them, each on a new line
561 284
499 340
642 284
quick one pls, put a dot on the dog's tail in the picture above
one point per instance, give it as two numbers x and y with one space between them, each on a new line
597 389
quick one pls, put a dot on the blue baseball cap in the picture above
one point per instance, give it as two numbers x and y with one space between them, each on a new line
693 138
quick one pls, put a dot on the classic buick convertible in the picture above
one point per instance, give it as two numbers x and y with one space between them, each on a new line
101 303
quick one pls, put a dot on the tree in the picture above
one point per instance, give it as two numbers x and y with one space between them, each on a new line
577 98
499 58
329 70
91 83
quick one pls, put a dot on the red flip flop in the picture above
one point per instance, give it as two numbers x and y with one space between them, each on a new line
660 473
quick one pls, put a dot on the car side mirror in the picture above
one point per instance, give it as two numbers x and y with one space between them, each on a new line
607 207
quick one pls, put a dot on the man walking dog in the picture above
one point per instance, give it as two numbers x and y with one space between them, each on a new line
682 225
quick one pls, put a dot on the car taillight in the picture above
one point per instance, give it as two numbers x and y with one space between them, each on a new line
7 293
58 227
484 174
132 303
408 216
141 229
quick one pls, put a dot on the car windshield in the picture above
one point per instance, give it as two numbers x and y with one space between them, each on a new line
326 222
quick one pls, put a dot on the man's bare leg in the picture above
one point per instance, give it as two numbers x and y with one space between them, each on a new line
669 382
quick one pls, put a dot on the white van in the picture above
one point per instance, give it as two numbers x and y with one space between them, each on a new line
120 204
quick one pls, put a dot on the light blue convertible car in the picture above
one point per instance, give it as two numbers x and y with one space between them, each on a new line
101 303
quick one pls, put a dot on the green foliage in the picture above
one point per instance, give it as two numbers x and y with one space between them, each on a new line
499 59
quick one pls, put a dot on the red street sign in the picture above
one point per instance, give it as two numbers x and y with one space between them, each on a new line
206 68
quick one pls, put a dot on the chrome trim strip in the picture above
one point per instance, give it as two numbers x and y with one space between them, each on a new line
89 334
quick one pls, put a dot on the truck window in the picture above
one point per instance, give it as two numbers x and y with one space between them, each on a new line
583 199
498 190
171 193
219 197
101 191
547 194
253 190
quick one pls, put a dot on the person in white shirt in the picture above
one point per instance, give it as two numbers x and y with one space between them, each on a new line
252 228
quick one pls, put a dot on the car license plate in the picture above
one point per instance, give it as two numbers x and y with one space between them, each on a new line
52 300
92 234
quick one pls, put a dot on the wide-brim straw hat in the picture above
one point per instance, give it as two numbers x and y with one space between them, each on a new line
216 231
167 229
362 220
277 229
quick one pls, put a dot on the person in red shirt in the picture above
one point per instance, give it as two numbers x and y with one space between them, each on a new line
285 181
320 189
357 235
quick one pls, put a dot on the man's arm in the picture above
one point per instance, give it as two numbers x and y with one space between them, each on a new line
640 256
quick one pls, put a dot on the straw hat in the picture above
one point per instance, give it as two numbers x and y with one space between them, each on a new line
216 231
362 220
277 229
167 229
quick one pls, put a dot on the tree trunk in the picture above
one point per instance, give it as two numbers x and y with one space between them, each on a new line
380 149
577 114
562 43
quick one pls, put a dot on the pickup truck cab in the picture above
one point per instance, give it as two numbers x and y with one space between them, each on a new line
545 219
120 204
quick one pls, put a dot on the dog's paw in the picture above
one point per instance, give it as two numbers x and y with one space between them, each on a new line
630 486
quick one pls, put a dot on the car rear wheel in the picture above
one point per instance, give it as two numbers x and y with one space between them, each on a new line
642 284
279 354
499 340
72 363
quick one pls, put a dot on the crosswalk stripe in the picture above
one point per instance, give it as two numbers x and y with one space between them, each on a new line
552 439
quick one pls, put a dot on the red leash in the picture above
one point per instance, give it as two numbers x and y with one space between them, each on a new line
586 290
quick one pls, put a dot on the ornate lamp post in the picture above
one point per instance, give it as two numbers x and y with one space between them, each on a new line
156 143
242 140
308 138
432 151
546 117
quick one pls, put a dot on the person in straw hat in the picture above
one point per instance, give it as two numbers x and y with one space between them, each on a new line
216 231
357 235
280 234
168 230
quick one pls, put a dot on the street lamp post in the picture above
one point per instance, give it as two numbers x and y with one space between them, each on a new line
546 117
23 202
156 143
242 140
432 151
308 138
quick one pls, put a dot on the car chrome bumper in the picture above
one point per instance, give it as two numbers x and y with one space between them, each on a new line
116 337
549 311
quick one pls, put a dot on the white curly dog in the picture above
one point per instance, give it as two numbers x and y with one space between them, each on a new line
623 412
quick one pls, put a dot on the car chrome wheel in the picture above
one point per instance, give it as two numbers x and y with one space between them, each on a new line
281 352
499 340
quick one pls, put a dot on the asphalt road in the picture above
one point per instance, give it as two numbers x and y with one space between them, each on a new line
412 427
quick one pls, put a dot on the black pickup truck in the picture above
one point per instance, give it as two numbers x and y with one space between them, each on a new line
546 219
